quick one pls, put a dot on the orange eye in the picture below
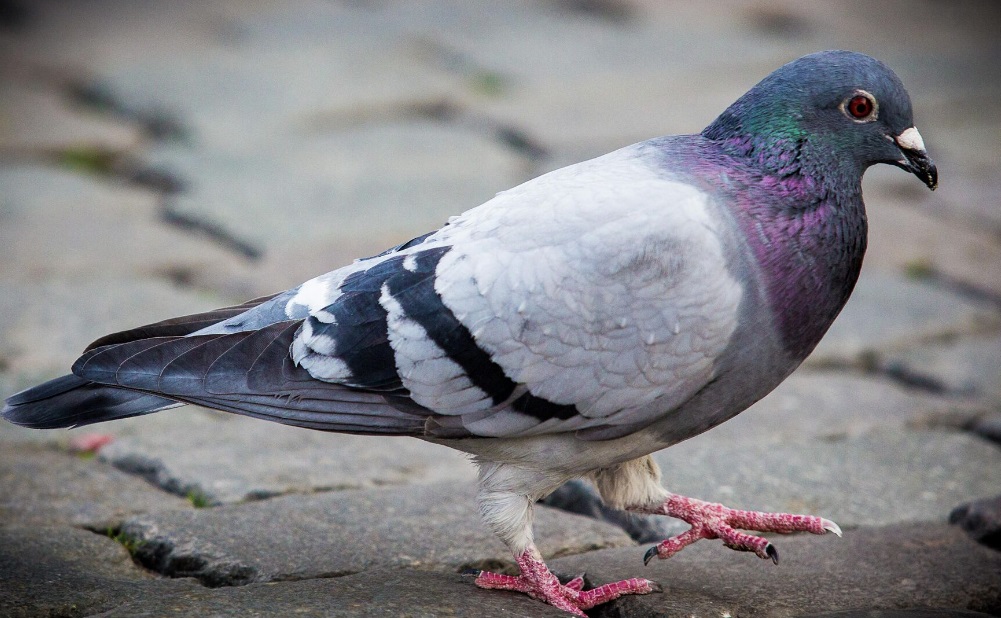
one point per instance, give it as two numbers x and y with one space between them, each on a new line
860 106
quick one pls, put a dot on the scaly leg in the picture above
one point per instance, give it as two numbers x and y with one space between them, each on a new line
506 496
710 520
538 582
635 486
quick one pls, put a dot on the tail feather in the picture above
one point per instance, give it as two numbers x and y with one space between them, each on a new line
250 373
71 401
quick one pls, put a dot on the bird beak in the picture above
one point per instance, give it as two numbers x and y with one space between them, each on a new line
916 159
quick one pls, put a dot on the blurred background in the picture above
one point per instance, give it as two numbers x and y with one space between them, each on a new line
164 158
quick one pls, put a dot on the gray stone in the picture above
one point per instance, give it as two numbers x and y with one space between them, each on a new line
931 566
343 62
912 232
85 229
432 527
47 126
46 324
881 477
969 365
831 405
45 487
921 612
342 183
988 426
379 592
888 313
60 571
981 519
225 458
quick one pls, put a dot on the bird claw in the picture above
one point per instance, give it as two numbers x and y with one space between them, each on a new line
772 553
576 583
538 582
715 521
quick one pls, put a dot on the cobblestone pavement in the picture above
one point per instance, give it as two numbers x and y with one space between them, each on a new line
164 158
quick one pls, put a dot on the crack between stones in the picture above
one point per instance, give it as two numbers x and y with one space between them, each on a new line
874 363
126 168
158 125
154 472
209 230
871 364
443 110
959 287
298 577
164 558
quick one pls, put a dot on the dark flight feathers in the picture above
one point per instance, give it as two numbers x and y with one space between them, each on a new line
236 372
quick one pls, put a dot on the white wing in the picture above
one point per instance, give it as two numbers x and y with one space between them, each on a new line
601 286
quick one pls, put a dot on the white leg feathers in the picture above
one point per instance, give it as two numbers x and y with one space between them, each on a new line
507 494
631 485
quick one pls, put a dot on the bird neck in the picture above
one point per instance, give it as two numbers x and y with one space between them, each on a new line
789 158
806 225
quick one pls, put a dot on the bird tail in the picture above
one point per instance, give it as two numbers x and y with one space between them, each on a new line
71 401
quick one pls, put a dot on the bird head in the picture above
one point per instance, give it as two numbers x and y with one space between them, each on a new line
842 112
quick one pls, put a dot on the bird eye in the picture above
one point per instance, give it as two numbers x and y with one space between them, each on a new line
860 107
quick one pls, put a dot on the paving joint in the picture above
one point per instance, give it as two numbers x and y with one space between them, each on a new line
157 124
209 230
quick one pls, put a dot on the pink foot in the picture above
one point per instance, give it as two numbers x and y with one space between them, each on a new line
538 582
710 520
90 442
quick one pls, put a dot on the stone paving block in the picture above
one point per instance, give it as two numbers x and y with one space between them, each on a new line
968 365
50 571
342 183
380 592
39 121
890 312
46 324
226 69
830 405
981 519
59 223
882 477
914 231
109 34
904 566
988 426
967 126
42 486
431 527
225 458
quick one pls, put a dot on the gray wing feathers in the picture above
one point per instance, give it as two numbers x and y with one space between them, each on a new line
251 373
188 324
71 401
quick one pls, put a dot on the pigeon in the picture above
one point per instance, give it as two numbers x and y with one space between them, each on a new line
568 327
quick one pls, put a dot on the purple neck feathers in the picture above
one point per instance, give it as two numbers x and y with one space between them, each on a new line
805 227
807 231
